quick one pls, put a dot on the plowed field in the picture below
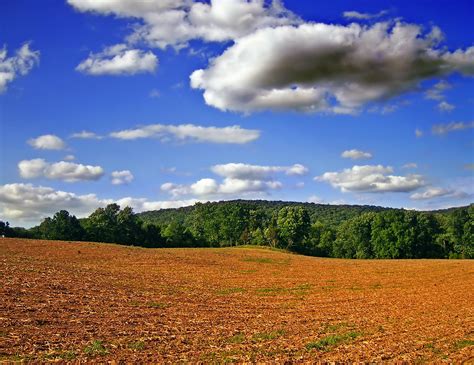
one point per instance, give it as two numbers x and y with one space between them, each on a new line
74 301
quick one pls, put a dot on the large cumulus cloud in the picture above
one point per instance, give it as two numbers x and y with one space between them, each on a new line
174 23
317 67
28 204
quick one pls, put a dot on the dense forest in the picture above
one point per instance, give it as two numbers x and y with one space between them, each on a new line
314 229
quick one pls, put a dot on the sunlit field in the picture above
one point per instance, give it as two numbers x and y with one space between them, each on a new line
89 301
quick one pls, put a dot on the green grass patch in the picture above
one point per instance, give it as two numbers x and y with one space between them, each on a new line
331 341
230 291
299 290
335 327
270 291
95 348
266 260
266 336
238 338
302 287
463 343
260 260
266 248
136 345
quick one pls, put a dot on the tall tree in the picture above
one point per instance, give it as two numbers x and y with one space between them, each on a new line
293 224
62 226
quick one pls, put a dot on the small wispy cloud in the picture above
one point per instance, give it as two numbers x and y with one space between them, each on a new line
356 154
363 16
86 135
441 129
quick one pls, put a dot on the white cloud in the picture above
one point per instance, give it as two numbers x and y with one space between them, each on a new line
436 192
317 67
142 204
47 142
238 179
175 190
437 91
245 186
371 179
441 129
176 22
444 106
66 171
86 135
190 132
154 93
255 172
119 60
297 169
205 187
356 154
69 158
228 187
363 16
418 133
122 177
18 65
410 165
27 204
30 169
315 199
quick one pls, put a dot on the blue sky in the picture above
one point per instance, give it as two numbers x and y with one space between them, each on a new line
185 101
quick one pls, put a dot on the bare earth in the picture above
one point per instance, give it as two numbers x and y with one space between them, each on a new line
99 302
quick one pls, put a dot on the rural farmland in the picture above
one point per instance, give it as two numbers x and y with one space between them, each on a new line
99 302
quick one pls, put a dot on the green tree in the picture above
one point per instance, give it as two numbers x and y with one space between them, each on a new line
62 226
354 238
5 230
467 250
293 224
152 236
129 227
177 235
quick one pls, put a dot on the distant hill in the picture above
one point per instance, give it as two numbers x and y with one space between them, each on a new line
328 214
331 215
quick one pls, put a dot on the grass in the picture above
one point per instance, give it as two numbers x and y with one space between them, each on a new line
335 327
260 260
136 345
331 341
238 338
62 355
299 290
266 260
96 348
270 290
463 343
266 336
266 248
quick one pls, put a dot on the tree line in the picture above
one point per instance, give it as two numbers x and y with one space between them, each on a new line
344 232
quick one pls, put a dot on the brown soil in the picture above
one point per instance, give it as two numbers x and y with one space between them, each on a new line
70 301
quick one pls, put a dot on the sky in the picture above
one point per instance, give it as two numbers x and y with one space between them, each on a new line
164 103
